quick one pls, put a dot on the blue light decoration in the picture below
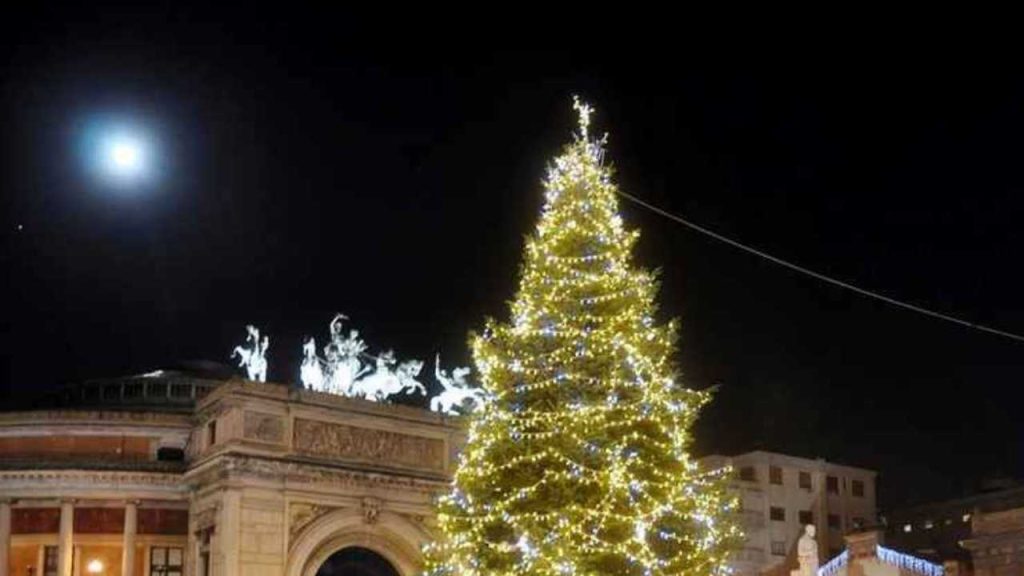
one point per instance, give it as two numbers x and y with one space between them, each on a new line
908 562
888 556
832 567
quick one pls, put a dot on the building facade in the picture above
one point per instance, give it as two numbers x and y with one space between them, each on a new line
163 475
936 530
780 494
996 543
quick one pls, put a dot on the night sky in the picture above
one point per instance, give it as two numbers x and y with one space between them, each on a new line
324 163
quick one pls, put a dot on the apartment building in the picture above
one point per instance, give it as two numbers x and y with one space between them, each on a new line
779 494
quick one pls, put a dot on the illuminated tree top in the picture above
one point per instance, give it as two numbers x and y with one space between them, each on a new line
579 464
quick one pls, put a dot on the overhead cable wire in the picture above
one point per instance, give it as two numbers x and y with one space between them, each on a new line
818 275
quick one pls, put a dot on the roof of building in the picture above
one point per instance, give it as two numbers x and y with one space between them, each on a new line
1003 497
792 461
172 389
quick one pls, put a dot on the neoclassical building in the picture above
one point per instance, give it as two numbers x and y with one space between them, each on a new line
169 475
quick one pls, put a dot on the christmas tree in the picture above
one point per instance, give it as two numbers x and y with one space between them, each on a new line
578 463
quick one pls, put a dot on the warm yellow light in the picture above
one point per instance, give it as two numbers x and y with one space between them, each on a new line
579 464
94 567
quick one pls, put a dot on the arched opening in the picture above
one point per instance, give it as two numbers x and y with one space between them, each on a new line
356 561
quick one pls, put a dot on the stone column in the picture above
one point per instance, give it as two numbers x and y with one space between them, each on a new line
65 541
128 544
5 536
229 532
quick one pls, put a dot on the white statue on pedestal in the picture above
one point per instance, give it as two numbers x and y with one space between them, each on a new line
807 553
385 382
311 374
456 390
345 369
254 358
342 363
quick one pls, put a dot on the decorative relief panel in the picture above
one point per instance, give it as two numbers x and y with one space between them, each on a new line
162 521
264 427
376 446
99 520
206 518
35 520
301 514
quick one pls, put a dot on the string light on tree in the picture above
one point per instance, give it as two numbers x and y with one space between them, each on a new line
579 463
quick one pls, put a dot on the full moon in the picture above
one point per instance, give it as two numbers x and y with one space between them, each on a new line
120 154
125 156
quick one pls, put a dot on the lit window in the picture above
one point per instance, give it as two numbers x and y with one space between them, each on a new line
967 517
908 528
50 555
166 561
928 524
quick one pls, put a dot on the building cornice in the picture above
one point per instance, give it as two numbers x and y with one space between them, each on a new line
239 467
89 483
95 418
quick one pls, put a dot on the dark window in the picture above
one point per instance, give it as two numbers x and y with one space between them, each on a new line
805 481
169 454
832 485
833 521
778 514
157 390
133 390
92 393
806 517
211 433
112 392
748 473
164 561
778 547
858 488
858 523
775 475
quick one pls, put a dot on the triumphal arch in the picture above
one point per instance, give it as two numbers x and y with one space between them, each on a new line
169 475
